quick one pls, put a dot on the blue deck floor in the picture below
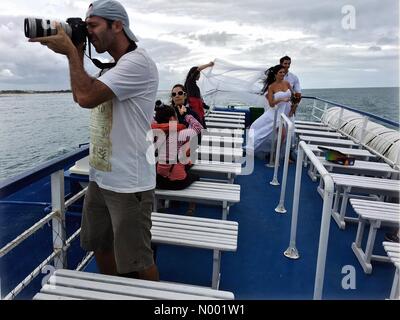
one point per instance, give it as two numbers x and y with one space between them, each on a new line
258 269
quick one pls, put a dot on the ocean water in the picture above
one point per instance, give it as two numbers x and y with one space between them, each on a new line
38 127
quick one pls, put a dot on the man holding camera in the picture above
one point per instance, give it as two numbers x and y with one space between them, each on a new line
116 217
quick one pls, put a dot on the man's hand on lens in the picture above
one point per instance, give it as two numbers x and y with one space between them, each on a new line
59 43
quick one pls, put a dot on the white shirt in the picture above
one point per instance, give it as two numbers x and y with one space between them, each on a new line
294 81
121 143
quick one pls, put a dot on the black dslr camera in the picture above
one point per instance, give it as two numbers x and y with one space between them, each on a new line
75 28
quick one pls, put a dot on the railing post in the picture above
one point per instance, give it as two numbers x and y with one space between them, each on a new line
275 181
313 108
58 223
281 206
292 252
323 235
271 155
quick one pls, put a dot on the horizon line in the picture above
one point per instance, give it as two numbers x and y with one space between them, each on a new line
69 90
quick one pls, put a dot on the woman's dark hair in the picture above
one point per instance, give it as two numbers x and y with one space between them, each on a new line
164 114
193 73
178 85
270 76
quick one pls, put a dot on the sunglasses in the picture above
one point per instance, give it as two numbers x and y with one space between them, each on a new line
179 93
337 157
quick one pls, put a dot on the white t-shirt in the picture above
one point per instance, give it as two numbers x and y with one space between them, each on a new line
294 82
121 144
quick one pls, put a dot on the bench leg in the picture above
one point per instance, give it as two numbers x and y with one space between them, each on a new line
335 214
360 232
343 207
337 197
216 275
225 210
364 257
374 225
395 292
356 247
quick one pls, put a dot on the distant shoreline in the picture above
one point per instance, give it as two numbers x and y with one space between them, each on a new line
32 91
2 92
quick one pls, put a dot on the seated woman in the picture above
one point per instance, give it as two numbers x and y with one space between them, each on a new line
172 166
278 95
179 98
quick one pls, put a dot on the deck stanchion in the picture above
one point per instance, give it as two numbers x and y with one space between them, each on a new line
290 128
58 222
323 234
270 164
292 251
274 180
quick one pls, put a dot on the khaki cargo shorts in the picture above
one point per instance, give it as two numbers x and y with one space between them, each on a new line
119 222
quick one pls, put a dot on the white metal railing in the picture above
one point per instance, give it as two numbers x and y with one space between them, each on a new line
292 252
24 283
27 233
290 128
60 244
366 118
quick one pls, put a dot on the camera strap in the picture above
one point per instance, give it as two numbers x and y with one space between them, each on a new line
107 65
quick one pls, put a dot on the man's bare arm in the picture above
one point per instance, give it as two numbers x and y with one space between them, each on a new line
88 92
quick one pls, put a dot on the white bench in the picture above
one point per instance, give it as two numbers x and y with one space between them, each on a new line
313 127
222 141
223 154
226 125
223 132
358 184
207 169
228 112
376 213
371 168
228 120
71 285
393 251
328 141
313 123
360 167
227 115
203 233
224 194
319 133
357 153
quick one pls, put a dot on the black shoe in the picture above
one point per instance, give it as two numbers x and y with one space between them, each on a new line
391 237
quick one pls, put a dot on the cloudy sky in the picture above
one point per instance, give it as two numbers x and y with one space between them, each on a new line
333 43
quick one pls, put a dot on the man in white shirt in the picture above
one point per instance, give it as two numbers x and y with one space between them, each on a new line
116 217
293 80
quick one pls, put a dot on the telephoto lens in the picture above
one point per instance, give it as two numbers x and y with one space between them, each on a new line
35 27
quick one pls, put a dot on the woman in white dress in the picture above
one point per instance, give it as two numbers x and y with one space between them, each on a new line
278 96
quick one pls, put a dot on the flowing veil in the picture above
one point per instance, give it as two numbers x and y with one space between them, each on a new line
228 84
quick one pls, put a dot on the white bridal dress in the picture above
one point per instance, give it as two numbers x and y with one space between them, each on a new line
260 133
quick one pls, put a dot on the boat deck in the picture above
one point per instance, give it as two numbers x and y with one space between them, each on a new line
257 270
